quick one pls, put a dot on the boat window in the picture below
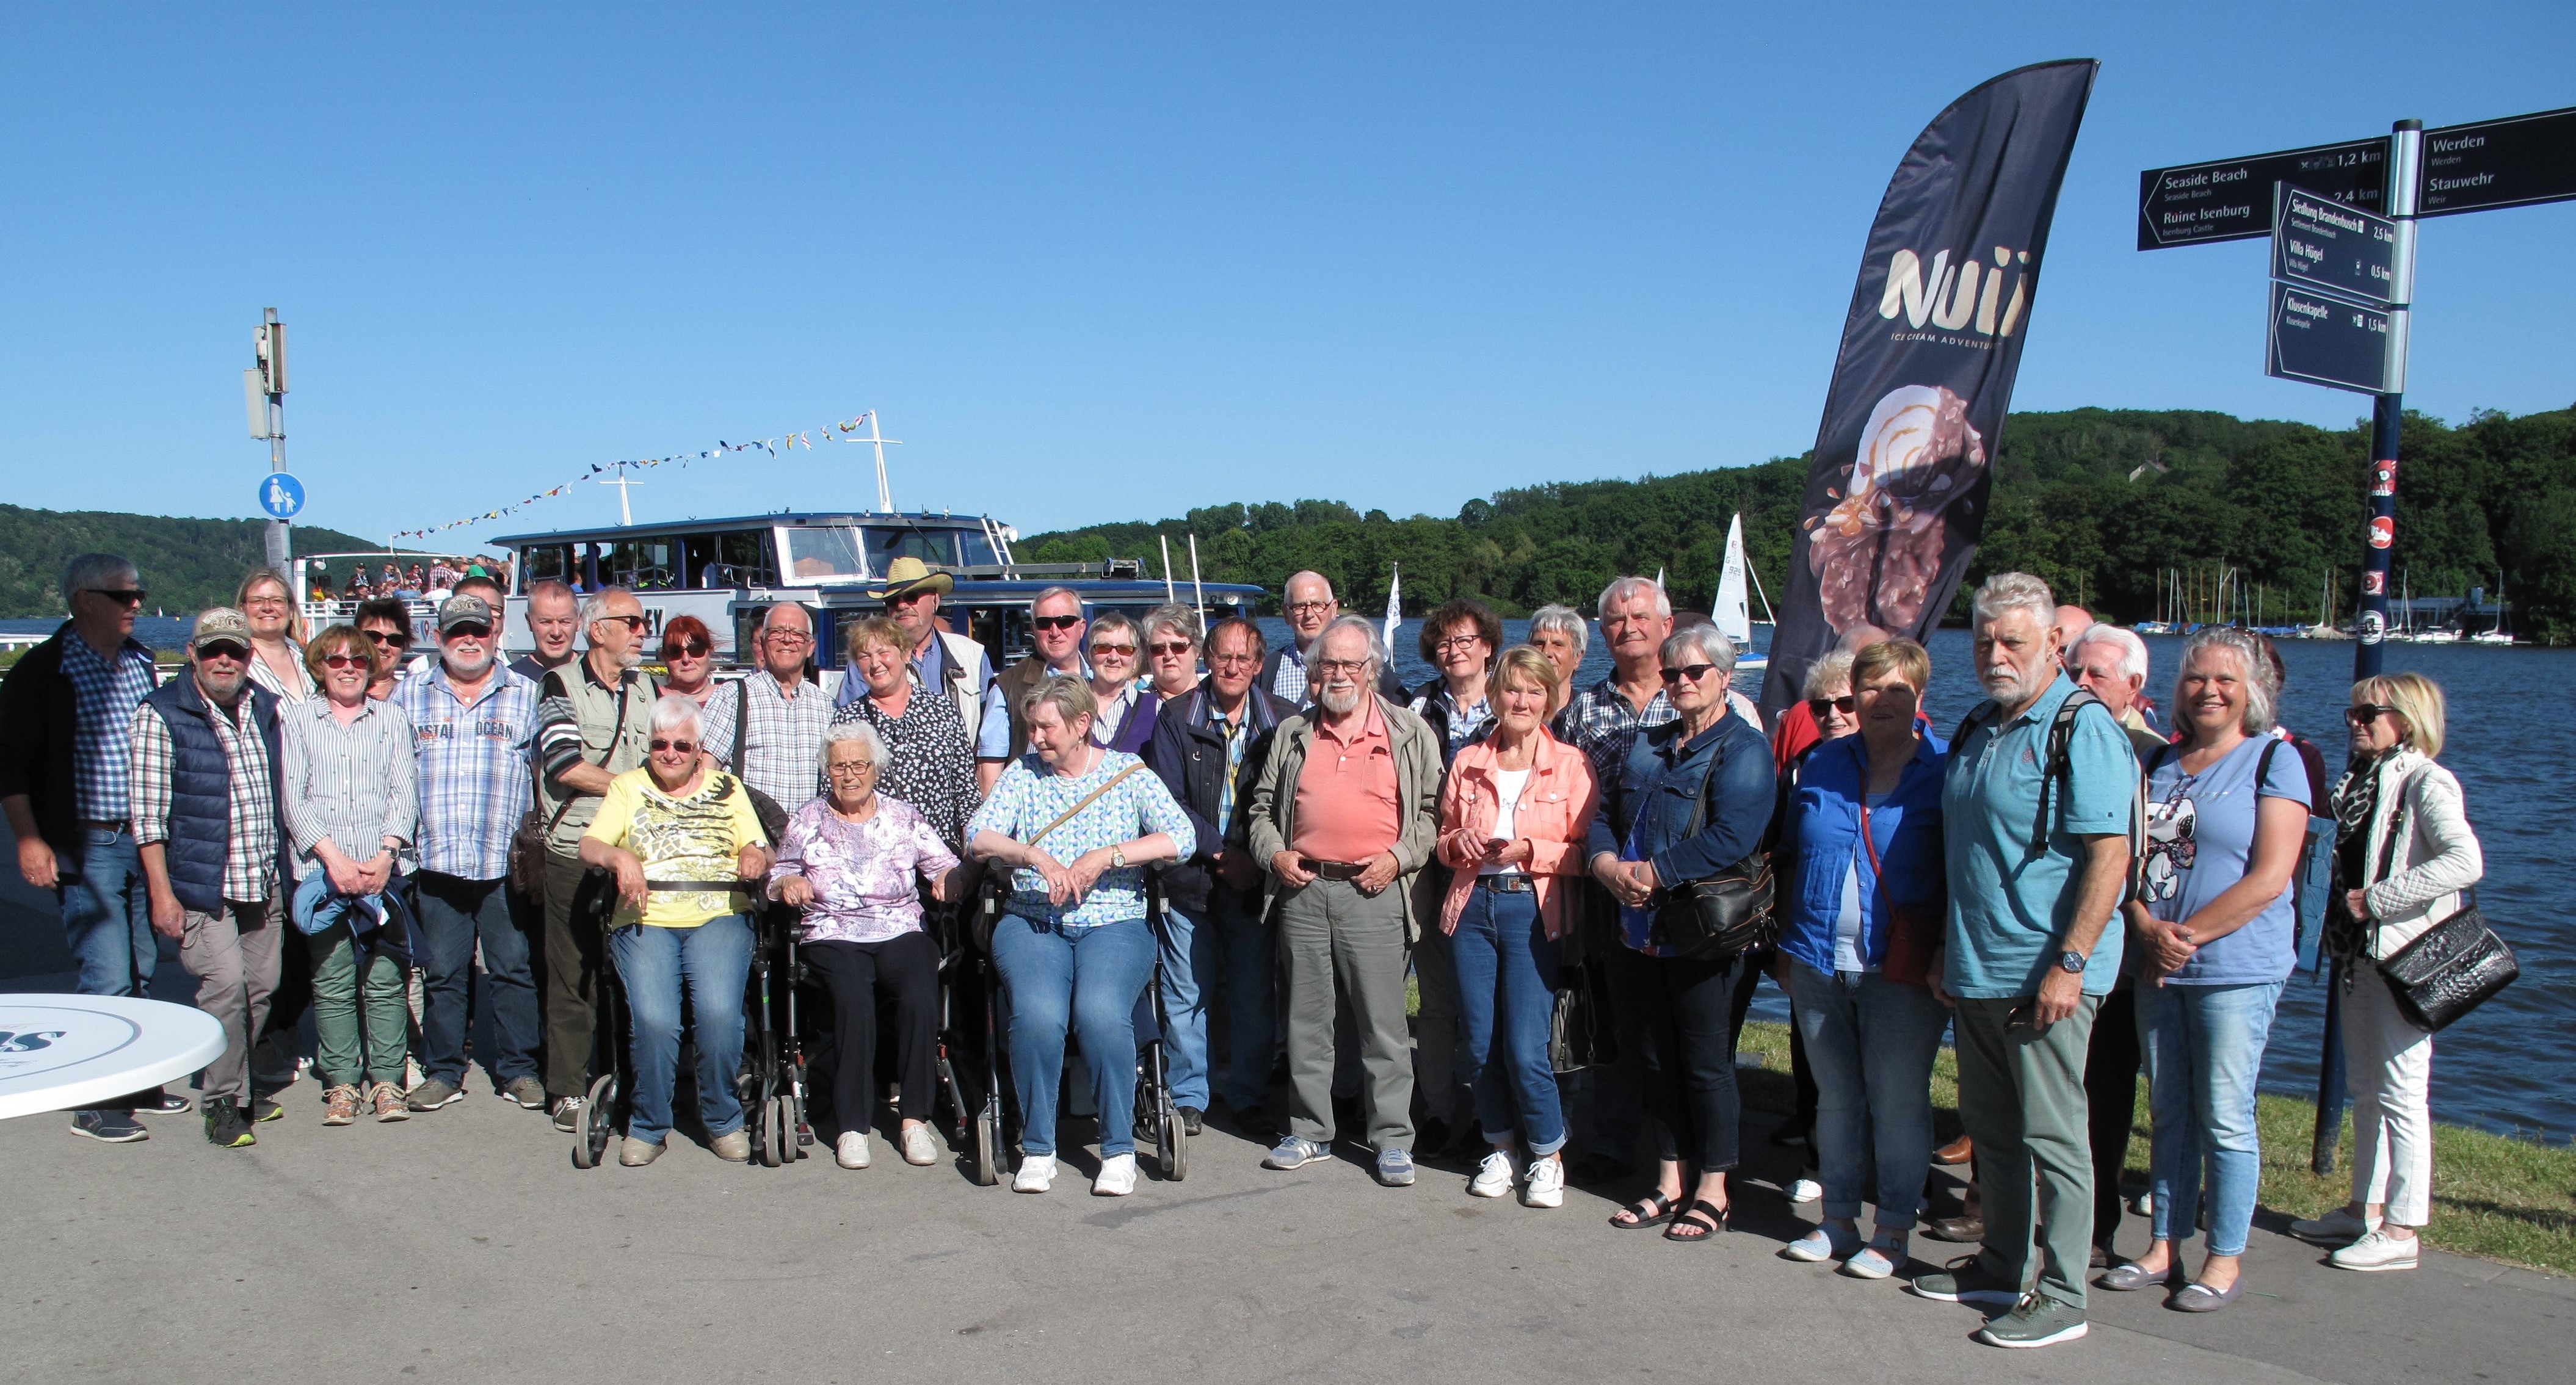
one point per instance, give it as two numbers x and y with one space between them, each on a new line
1003 630
641 564
545 562
977 548
823 555
937 547
744 558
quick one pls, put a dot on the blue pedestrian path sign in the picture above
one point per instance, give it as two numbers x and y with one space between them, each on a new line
281 495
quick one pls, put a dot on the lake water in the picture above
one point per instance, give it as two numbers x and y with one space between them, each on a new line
2513 745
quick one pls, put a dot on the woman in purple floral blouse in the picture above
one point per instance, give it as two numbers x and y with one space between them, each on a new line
849 861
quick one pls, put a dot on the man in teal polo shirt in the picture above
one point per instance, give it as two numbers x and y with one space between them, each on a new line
2029 957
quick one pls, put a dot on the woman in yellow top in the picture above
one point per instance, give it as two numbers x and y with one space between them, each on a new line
660 830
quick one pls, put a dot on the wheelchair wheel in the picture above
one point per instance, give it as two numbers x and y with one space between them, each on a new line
596 1125
1171 1139
988 1143
775 1133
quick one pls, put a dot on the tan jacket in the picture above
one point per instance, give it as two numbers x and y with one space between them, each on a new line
1273 811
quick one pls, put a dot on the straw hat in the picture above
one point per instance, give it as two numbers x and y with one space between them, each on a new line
907 578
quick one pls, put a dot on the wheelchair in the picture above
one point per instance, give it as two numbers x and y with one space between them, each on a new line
1156 1120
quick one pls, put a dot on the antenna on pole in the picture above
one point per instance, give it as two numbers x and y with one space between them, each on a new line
625 507
1168 593
885 491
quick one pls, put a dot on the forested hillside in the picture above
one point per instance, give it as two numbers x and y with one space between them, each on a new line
2098 501
187 564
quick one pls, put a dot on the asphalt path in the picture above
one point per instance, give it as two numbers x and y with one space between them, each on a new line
462 1245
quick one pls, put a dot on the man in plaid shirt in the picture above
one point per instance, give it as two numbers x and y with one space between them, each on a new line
203 772
782 735
472 722
1636 617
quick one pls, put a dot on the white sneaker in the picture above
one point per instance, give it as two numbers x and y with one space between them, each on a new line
1546 1185
2376 1251
1117 1176
1806 1190
852 1150
1494 1176
918 1147
1037 1174
2335 1228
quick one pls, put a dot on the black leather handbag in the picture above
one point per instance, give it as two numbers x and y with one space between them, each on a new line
2452 968
1728 913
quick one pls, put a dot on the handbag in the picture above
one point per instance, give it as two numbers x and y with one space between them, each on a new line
2454 967
1578 1028
1724 915
988 902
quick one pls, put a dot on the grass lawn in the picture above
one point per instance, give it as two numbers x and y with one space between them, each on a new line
2493 1195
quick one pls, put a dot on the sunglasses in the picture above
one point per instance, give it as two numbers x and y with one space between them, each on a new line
2366 713
682 747
630 622
694 649
1692 672
227 650
1168 650
1058 622
387 637
468 632
347 661
1123 651
1818 706
131 596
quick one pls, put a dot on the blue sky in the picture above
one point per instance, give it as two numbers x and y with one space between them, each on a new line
1109 261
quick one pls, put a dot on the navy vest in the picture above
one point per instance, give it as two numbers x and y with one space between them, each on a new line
201 789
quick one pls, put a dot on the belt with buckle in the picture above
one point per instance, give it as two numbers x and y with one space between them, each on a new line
1513 883
1333 870
108 824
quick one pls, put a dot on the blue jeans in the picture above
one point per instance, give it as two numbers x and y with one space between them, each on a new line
1506 967
1190 948
453 913
106 920
1086 981
1870 1042
2204 1050
714 960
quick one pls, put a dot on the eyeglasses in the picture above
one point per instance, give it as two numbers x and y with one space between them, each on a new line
1057 622
130 596
1231 660
632 623
1458 642
1692 672
1123 651
2366 713
853 769
347 661
1818 706
681 747
262 603
1169 649
388 637
1328 667
222 651
787 637
693 649
466 632
1308 608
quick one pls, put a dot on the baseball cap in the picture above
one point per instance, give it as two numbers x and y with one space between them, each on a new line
468 609
220 625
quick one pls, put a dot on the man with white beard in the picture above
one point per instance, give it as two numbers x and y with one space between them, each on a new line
2035 814
472 723
602 700
1343 817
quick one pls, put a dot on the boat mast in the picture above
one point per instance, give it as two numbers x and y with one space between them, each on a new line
885 492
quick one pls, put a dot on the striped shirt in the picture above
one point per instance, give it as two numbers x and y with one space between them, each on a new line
470 769
781 741
349 784
250 855
103 703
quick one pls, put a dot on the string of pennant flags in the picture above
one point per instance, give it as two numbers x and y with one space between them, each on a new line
805 438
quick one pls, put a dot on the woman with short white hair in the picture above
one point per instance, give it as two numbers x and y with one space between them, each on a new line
1559 633
1172 643
849 861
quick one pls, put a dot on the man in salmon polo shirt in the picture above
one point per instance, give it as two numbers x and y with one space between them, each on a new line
1344 816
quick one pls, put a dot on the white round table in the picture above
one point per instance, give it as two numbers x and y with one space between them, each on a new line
62 1051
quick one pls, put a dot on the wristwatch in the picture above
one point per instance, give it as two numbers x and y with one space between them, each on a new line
2071 961
1118 857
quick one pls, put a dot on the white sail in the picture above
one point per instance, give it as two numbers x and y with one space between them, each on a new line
1734 619
1394 603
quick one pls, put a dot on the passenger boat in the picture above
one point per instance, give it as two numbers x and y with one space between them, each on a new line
729 572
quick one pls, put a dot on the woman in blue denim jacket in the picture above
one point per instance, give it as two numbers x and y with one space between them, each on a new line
1861 854
1642 846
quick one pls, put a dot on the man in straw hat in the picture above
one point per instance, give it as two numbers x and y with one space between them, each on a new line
946 663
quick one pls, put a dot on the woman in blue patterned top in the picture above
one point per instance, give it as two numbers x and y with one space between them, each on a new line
1077 825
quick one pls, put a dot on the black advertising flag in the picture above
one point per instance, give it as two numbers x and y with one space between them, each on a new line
1897 492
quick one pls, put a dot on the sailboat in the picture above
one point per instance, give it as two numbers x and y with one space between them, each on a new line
1734 618
2324 629
2497 633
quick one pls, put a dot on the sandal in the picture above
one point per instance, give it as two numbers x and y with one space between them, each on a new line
1654 1209
1715 1224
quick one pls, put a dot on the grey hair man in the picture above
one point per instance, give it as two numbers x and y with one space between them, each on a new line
1309 604
770 727
1057 627
2035 824
2111 664
553 624
1344 816
1636 617
594 719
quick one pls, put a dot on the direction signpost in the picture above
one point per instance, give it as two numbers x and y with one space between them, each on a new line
2344 284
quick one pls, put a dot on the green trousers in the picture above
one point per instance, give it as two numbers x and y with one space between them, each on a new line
351 1027
2021 1096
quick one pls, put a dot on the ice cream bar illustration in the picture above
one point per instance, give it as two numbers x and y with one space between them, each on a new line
1876 553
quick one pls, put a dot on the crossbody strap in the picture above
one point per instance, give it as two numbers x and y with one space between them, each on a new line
1087 800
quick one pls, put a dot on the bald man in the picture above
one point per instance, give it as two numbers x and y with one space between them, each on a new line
1309 604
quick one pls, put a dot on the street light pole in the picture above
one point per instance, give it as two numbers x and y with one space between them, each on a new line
265 384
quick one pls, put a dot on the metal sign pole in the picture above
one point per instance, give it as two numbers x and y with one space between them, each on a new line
281 541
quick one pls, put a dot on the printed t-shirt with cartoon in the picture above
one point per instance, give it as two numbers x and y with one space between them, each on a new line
2200 837
699 837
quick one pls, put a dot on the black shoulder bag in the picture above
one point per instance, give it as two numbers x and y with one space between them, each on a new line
2452 968
1714 919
